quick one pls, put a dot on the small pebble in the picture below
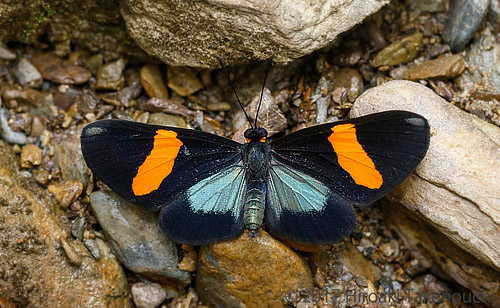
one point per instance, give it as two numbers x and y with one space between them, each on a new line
152 81
445 66
148 295
59 70
401 51
27 75
37 126
71 253
66 192
5 53
94 63
110 76
189 260
168 106
86 103
42 176
167 120
93 248
78 227
31 155
183 80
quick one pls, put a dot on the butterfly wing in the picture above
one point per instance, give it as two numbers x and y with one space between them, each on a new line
209 211
150 165
355 162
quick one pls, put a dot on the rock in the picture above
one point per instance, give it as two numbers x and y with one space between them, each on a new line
447 258
7 133
349 81
94 63
32 228
5 53
454 188
66 98
66 192
110 76
232 274
401 51
31 155
27 96
86 103
445 66
189 259
93 247
419 6
137 240
70 160
463 20
148 295
159 118
42 177
124 96
152 81
270 116
183 80
59 70
482 60
222 106
239 31
78 227
37 126
70 252
168 106
27 75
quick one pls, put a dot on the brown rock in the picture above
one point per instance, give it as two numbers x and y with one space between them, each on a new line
444 66
37 126
41 176
31 155
152 81
66 192
222 106
183 80
110 76
347 81
148 295
250 272
66 98
168 106
270 115
70 160
27 96
27 75
59 70
70 252
401 51
189 259
159 118
94 63
32 228
123 96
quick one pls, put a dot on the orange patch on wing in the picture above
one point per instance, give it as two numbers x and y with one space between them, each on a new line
158 164
353 158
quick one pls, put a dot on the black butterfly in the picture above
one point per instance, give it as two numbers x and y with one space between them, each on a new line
304 185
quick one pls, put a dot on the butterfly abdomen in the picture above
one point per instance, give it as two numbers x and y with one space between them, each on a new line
253 214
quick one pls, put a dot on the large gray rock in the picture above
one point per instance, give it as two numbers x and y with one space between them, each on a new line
240 31
456 188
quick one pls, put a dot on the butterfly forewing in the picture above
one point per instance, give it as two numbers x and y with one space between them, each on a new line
149 165
360 159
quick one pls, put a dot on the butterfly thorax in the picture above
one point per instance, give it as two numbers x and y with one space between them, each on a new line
256 157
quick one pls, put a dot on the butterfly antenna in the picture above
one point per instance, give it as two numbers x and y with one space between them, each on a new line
263 86
234 90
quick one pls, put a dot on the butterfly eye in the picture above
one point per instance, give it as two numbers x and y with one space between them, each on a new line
262 132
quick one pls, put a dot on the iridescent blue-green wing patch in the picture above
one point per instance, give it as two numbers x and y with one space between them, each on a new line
209 211
303 209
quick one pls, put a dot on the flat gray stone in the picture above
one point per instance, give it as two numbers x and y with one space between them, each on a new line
456 187
136 239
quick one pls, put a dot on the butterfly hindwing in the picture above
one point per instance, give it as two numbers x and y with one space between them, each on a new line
360 159
149 165
303 209
210 211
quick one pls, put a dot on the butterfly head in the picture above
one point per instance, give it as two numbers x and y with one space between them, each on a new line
256 134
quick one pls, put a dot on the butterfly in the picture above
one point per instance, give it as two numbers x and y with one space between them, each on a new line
303 186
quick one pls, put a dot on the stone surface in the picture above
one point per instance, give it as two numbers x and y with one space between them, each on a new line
6 53
152 81
137 240
66 192
168 106
148 295
239 31
270 116
183 80
455 188
403 50
26 96
7 133
250 272
31 155
444 66
463 19
110 76
27 75
32 228
159 118
58 70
